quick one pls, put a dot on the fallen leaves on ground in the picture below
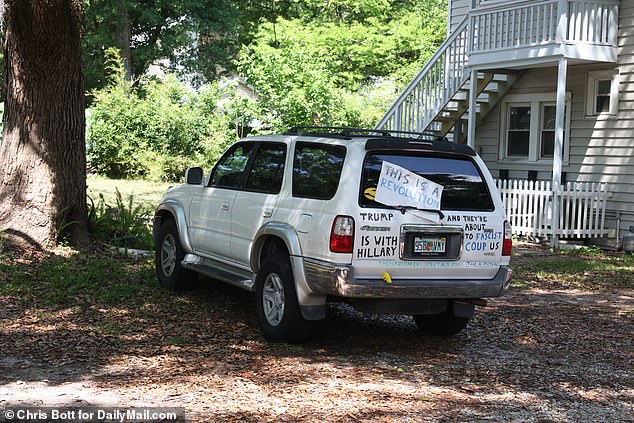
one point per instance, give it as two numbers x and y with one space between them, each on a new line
545 353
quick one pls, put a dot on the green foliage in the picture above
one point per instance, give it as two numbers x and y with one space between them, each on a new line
292 87
62 224
76 280
338 63
335 72
124 225
158 128
200 38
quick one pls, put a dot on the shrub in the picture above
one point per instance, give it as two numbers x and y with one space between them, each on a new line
124 225
156 129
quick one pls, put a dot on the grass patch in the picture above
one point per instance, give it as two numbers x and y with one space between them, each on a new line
64 278
143 192
589 270
120 211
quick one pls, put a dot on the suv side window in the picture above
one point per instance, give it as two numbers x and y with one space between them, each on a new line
228 171
267 170
317 170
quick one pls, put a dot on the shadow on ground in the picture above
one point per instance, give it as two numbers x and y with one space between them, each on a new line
555 354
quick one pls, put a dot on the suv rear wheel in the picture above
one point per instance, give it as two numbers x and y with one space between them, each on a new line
276 305
169 255
443 324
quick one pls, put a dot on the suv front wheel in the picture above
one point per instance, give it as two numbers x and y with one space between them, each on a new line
276 304
169 255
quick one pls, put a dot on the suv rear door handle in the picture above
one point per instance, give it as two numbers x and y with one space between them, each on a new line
268 212
224 206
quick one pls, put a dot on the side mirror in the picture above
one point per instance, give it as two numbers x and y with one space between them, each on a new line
194 175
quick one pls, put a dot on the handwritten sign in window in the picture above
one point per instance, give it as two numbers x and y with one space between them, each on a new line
399 187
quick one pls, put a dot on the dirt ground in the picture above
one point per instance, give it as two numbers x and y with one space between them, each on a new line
536 355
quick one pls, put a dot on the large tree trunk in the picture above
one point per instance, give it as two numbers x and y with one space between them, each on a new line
42 155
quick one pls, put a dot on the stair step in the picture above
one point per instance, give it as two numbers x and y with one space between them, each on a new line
502 71
500 77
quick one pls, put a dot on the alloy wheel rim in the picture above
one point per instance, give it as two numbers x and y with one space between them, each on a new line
273 299
168 255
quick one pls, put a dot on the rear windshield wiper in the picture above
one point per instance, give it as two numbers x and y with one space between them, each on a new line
403 209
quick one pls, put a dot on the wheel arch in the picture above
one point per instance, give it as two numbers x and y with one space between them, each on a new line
173 209
273 235
311 304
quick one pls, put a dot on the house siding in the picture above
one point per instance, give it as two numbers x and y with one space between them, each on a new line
601 149
458 10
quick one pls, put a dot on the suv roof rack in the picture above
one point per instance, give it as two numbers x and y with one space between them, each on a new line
360 132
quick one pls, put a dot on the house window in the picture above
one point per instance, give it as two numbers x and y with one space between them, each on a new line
547 138
518 137
529 128
602 103
602 93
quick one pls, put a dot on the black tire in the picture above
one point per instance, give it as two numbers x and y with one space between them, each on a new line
169 271
443 324
275 290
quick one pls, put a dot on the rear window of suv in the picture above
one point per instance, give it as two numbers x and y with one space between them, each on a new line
317 169
464 187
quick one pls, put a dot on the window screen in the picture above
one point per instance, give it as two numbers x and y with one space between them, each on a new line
519 131
317 170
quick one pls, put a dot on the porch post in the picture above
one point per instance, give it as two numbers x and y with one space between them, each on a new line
560 113
473 88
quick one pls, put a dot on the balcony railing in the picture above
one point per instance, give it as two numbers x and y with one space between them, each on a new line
593 22
519 24
433 87
497 35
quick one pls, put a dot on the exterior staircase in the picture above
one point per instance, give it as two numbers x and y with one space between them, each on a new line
492 38
438 97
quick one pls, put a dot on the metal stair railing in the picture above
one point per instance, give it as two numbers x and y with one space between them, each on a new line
433 87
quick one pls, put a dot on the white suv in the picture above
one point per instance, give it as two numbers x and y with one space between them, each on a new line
392 223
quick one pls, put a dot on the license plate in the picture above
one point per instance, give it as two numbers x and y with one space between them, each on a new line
430 245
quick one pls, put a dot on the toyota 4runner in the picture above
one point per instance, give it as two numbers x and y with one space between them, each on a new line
389 222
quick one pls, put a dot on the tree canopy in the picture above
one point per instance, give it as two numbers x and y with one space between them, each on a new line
339 63
202 39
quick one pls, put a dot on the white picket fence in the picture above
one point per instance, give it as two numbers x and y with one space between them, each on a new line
529 208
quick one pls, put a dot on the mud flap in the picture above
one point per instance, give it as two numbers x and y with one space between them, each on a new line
465 310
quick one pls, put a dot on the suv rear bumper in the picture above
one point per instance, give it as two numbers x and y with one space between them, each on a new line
329 279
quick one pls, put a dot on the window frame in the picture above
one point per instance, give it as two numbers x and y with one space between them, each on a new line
594 77
508 129
536 102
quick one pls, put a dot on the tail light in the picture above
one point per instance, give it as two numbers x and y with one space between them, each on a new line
507 245
342 234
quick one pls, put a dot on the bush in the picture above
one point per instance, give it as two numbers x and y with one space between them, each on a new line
124 225
157 129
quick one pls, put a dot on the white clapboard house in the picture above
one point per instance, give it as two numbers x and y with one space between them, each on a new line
544 92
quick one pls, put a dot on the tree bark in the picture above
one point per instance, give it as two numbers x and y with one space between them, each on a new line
42 155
